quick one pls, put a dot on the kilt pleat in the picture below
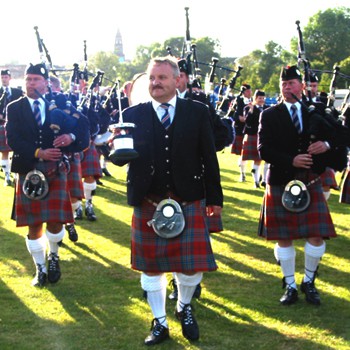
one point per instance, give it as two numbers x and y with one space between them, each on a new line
189 252
90 163
55 207
249 148
74 178
277 223
345 189
328 178
4 147
236 147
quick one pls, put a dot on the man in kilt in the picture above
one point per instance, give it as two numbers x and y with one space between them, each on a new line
236 111
7 94
251 114
292 156
31 137
177 160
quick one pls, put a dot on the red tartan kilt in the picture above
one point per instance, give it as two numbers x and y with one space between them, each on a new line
214 223
189 252
249 148
90 163
55 207
74 178
236 147
328 178
345 189
4 147
277 223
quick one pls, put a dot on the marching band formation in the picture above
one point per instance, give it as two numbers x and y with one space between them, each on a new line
62 141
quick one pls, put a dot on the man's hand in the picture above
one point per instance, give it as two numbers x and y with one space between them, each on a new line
62 141
213 210
303 161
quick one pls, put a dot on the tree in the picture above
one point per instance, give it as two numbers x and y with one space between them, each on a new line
326 37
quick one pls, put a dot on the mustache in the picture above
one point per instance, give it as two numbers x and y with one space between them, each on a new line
157 87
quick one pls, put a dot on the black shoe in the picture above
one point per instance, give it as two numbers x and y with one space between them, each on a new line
158 334
72 232
289 297
242 178
106 172
8 182
40 277
198 291
263 184
99 182
89 212
54 273
189 324
174 293
78 214
311 293
256 185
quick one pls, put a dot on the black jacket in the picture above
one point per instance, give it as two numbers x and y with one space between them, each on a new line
195 168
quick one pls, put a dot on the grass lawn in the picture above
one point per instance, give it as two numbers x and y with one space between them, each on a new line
98 302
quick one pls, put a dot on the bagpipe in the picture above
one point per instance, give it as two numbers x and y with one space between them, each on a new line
64 117
322 123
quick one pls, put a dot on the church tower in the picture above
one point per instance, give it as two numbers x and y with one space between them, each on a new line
118 46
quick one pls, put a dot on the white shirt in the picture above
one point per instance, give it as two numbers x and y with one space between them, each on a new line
41 106
160 111
297 104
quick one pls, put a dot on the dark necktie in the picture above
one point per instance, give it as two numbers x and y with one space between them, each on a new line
295 118
166 116
36 111
8 95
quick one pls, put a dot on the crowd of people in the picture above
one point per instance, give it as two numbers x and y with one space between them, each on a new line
173 178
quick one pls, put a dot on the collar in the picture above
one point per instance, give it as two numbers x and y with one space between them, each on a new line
156 104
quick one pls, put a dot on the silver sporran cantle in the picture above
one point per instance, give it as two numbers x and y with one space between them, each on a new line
296 197
35 185
168 219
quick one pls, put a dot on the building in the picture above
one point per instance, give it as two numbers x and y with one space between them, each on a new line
118 46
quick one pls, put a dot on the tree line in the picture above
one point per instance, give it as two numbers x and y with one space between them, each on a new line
326 37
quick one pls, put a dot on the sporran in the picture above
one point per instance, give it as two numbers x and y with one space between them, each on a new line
168 219
296 197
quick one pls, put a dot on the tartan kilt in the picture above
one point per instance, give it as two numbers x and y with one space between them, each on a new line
90 163
74 177
4 147
345 189
277 223
328 178
214 223
236 147
189 252
55 207
249 148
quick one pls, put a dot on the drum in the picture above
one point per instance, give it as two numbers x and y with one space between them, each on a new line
102 139
139 90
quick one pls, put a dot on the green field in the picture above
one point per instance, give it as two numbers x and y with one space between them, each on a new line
98 302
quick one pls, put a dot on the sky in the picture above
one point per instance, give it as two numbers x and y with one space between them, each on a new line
241 27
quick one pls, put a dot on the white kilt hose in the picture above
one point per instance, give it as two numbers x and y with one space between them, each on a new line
55 207
189 252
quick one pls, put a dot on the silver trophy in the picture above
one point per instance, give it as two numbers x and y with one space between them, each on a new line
123 143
